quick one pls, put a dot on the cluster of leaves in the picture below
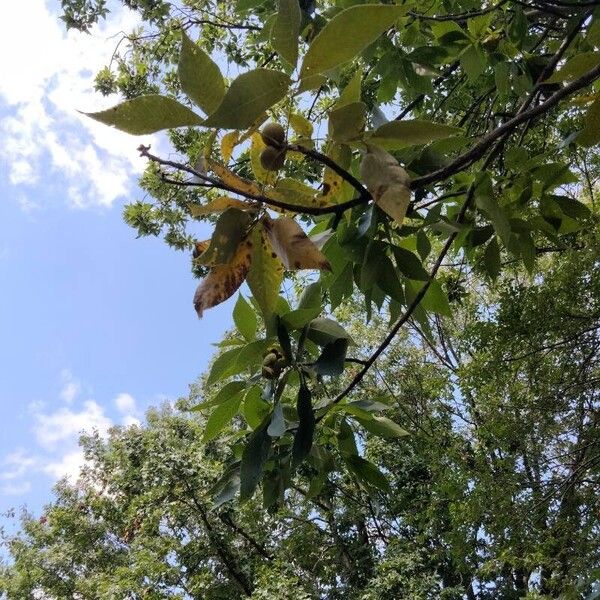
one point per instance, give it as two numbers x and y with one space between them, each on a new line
495 492
500 99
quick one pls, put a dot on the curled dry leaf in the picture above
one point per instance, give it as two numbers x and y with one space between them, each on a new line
223 281
387 181
200 247
293 246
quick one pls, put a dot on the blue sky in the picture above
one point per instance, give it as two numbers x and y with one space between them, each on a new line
95 325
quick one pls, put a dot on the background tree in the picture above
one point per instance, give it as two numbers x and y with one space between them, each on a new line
494 494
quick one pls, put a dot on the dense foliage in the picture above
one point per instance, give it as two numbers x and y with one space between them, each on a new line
432 166
493 495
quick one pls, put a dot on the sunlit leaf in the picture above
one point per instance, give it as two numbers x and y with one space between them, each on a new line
245 319
248 97
200 76
400 134
266 273
286 30
347 34
147 114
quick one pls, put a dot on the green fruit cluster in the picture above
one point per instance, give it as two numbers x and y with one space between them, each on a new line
273 156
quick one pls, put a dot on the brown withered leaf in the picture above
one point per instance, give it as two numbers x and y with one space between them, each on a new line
200 247
293 246
223 281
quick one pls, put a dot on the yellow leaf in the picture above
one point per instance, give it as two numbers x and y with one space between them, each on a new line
293 246
301 125
294 192
218 205
261 174
223 281
387 181
266 272
228 142
234 181
332 182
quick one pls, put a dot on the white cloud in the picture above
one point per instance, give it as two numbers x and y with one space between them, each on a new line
55 450
125 403
66 424
71 386
45 77
69 466
16 465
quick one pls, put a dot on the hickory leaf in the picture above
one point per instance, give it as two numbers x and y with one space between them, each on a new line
347 34
248 97
147 114
199 76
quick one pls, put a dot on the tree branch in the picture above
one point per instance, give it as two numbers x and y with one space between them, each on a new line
480 148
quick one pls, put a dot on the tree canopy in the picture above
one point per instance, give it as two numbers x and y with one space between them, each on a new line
429 168
494 492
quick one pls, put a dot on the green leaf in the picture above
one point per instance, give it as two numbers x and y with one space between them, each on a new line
227 486
378 269
221 416
575 67
147 114
250 355
199 76
254 457
409 265
322 331
345 439
436 300
311 296
383 427
255 409
244 318
502 78
244 5
347 34
400 134
231 228
491 259
352 91
473 61
248 97
331 360
486 201
590 134
366 472
297 319
226 392
286 30
348 122
303 440
224 366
